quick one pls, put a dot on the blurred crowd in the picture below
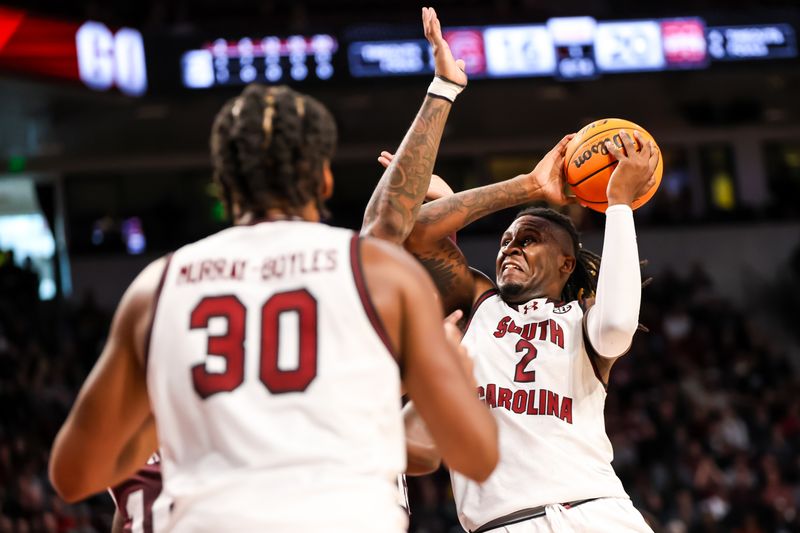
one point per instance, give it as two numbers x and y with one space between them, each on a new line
46 351
704 413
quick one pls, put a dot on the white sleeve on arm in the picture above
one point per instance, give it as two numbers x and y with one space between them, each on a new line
612 321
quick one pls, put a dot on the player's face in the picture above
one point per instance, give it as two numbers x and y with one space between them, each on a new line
528 263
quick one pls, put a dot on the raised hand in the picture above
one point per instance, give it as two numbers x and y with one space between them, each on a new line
438 187
634 173
446 66
548 175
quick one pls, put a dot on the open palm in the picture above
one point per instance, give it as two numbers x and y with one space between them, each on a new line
446 66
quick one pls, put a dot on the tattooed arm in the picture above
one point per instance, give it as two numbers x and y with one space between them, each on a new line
395 203
443 217
396 200
429 241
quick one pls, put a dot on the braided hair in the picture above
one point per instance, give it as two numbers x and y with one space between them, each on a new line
268 146
582 283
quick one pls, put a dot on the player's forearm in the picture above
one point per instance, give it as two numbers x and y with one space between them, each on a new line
395 203
446 216
612 321
422 455
81 464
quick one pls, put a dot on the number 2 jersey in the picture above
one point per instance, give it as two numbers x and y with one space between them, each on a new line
276 397
535 374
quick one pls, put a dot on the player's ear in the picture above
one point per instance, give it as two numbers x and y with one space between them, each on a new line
567 264
327 180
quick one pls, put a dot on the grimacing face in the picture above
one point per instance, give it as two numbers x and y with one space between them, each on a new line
534 261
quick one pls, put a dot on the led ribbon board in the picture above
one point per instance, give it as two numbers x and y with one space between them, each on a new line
575 48
90 53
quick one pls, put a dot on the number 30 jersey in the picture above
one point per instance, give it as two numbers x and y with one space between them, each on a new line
535 375
275 393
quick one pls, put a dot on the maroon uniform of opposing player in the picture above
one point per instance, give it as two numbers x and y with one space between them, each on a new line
135 500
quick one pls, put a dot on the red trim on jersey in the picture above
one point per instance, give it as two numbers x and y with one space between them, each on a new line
366 300
482 298
155 308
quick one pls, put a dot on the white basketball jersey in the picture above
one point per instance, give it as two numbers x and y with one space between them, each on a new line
276 398
535 375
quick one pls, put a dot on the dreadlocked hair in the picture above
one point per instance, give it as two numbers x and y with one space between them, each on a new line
268 146
582 283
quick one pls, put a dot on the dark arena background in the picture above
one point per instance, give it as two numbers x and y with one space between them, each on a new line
105 113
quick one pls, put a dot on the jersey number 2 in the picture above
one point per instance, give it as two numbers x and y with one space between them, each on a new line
520 374
230 345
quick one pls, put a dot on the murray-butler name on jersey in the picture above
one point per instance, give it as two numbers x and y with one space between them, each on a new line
535 402
286 265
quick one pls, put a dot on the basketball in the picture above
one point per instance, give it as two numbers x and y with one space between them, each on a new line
589 165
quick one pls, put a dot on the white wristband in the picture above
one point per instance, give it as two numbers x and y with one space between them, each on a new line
444 89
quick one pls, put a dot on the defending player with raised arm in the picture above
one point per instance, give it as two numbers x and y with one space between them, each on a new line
395 202
542 355
195 342
407 183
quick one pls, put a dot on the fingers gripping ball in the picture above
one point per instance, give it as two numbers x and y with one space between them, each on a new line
589 165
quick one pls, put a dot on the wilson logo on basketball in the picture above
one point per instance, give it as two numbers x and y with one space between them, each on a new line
596 148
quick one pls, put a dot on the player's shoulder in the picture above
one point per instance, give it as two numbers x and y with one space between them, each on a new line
135 310
145 286
387 257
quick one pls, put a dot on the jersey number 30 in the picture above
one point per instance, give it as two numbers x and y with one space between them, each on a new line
231 345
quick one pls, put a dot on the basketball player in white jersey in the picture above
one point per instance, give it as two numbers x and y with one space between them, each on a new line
542 352
267 357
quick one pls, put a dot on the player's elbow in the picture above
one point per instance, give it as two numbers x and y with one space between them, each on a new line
69 470
67 482
614 339
386 230
482 464
481 458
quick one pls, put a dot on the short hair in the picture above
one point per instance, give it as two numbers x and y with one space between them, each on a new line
582 283
268 146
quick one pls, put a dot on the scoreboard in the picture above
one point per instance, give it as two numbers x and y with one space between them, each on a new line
564 48
266 59
578 48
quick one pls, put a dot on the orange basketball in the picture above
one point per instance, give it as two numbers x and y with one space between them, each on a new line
588 165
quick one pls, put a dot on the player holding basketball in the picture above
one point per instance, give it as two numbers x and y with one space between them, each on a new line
263 354
543 352
542 355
